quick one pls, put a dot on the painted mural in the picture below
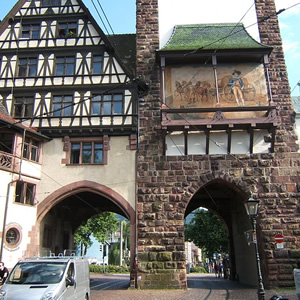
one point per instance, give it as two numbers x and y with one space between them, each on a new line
194 86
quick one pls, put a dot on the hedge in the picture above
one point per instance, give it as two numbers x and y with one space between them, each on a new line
109 269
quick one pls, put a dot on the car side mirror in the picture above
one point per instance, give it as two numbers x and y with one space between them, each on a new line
70 281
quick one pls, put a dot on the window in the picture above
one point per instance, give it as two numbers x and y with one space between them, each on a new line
25 193
97 64
62 106
27 67
47 236
31 31
107 104
51 2
23 107
31 149
86 153
7 142
12 237
68 29
65 66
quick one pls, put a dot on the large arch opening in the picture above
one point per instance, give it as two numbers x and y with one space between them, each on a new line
62 213
226 200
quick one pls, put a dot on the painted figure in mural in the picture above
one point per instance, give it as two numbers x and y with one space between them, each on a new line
237 86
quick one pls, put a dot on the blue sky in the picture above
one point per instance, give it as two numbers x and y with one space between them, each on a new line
121 15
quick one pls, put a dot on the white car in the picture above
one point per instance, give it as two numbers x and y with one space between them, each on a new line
64 278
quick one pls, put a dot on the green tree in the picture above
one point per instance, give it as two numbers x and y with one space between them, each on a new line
207 232
100 226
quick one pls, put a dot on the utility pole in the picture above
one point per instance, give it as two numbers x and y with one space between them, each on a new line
121 242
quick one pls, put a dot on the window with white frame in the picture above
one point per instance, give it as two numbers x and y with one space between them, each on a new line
178 143
25 193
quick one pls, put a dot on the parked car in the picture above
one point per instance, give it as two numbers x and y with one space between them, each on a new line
64 278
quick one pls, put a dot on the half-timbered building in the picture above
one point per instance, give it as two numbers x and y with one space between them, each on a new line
60 74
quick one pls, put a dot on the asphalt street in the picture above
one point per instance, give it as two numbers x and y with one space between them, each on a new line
200 286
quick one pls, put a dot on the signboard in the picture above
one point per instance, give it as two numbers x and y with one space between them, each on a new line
279 238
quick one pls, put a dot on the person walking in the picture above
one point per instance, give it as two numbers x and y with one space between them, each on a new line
297 279
220 270
3 273
216 268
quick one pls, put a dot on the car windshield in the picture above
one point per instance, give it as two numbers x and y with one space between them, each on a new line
37 273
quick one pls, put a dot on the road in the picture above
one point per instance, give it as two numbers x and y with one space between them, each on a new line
200 286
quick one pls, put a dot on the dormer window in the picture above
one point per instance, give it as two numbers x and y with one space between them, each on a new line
67 29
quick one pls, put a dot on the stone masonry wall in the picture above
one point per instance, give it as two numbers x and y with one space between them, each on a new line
281 210
166 184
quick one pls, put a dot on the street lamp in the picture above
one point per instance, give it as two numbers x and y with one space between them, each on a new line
251 206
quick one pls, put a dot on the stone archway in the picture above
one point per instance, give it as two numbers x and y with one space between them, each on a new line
225 196
82 186
161 250
92 188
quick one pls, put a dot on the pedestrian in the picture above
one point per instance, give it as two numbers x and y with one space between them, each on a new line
216 267
220 270
3 273
297 279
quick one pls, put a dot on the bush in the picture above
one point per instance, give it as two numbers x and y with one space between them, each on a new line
198 270
109 269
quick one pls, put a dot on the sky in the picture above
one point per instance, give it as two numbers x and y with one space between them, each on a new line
121 16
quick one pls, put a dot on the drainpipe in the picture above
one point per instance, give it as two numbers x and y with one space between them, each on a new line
214 63
266 64
22 150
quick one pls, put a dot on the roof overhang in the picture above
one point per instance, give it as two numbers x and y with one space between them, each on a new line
13 124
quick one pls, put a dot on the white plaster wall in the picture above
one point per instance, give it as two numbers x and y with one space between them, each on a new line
31 169
19 215
5 178
118 174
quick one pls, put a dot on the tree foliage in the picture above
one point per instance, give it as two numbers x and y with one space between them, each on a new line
99 226
207 232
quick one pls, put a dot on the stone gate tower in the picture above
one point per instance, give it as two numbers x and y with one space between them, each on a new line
182 164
